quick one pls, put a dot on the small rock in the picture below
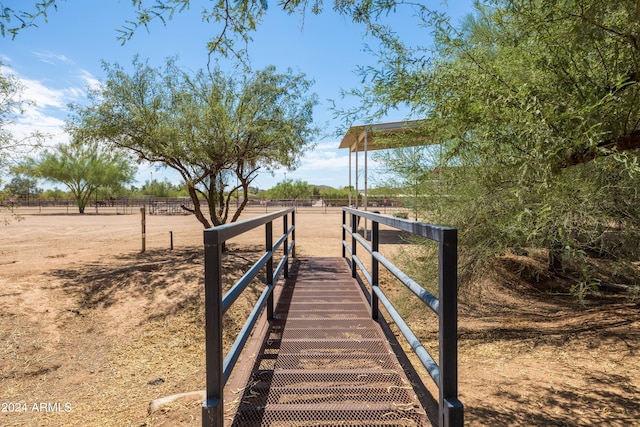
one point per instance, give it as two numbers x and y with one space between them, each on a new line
156 381
158 404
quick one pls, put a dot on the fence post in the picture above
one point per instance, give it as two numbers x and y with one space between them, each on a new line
212 408
144 229
451 410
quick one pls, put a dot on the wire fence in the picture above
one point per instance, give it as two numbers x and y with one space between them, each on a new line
177 205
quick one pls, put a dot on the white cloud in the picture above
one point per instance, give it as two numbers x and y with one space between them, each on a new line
325 165
46 111
44 96
328 157
52 58
90 81
6 70
324 162
34 117
329 146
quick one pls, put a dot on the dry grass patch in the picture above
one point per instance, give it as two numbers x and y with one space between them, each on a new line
132 331
86 319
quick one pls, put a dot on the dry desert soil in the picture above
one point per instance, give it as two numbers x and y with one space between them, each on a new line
92 330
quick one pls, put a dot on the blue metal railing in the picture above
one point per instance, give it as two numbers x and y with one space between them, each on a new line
219 370
444 373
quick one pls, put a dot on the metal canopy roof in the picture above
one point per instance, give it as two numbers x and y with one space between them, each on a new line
381 136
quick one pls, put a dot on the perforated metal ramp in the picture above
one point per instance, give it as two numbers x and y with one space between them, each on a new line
324 362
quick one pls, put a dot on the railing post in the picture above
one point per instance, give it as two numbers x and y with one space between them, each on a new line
293 233
285 226
344 233
269 267
354 230
375 241
212 407
451 410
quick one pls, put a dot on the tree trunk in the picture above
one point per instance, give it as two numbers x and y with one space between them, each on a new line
197 211
607 147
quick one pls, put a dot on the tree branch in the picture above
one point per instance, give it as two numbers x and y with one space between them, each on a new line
630 141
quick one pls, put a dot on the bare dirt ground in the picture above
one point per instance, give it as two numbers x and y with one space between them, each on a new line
92 330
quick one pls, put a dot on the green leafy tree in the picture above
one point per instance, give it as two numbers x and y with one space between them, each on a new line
290 189
217 131
335 197
55 194
411 171
83 169
11 106
22 186
162 189
234 22
536 106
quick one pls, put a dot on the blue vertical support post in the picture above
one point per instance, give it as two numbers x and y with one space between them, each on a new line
212 407
269 248
451 409
375 244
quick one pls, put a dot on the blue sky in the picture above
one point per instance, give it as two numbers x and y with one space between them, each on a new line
59 59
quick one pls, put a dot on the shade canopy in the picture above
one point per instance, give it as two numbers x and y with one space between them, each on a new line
381 136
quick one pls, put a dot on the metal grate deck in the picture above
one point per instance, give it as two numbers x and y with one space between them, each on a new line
324 362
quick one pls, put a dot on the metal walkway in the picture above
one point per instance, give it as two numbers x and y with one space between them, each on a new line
323 361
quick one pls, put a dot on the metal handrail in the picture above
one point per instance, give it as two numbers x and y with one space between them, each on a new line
219 370
445 372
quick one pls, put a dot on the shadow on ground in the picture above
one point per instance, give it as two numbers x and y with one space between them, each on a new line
172 279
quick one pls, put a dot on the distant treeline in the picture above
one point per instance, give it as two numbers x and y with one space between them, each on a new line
161 204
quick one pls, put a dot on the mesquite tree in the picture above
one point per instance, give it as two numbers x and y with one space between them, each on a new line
536 107
216 130
83 169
